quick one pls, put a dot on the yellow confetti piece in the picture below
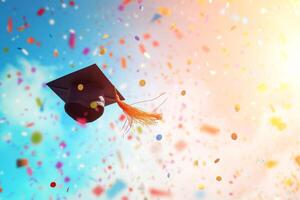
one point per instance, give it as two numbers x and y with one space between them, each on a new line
201 186
237 107
201 2
262 87
271 164
105 36
196 163
39 102
164 11
139 129
288 182
278 123
218 178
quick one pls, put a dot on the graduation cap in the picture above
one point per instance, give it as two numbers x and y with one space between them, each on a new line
87 91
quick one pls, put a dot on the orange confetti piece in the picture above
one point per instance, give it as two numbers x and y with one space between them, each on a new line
297 160
30 40
123 63
234 136
209 129
142 48
180 145
122 41
9 25
55 53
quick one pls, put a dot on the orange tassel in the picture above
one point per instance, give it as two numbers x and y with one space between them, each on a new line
135 115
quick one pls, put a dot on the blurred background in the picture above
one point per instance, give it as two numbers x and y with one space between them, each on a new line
230 71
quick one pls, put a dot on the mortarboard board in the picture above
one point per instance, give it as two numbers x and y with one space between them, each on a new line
80 91
87 91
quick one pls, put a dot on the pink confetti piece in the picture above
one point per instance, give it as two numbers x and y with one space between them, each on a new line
29 171
72 39
85 51
41 11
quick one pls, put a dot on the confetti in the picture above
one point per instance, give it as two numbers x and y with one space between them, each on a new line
30 40
212 130
219 178
41 11
237 107
85 51
142 83
158 137
55 53
22 162
36 137
234 136
278 123
98 190
159 193
271 164
53 184
123 63
9 25
297 160
115 189
72 39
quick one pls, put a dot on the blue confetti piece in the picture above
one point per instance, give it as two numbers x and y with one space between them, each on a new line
116 188
158 137
155 17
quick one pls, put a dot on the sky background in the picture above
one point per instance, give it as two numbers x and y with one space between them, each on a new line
230 74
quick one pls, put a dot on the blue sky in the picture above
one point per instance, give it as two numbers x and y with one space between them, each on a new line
86 147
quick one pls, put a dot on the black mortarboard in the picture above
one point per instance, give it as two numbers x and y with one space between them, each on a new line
80 91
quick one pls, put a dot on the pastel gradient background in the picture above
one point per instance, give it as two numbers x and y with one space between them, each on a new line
229 65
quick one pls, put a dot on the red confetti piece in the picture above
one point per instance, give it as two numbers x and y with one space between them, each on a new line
161 193
124 4
9 25
30 124
98 190
1 190
53 184
122 117
147 36
155 43
72 39
41 11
